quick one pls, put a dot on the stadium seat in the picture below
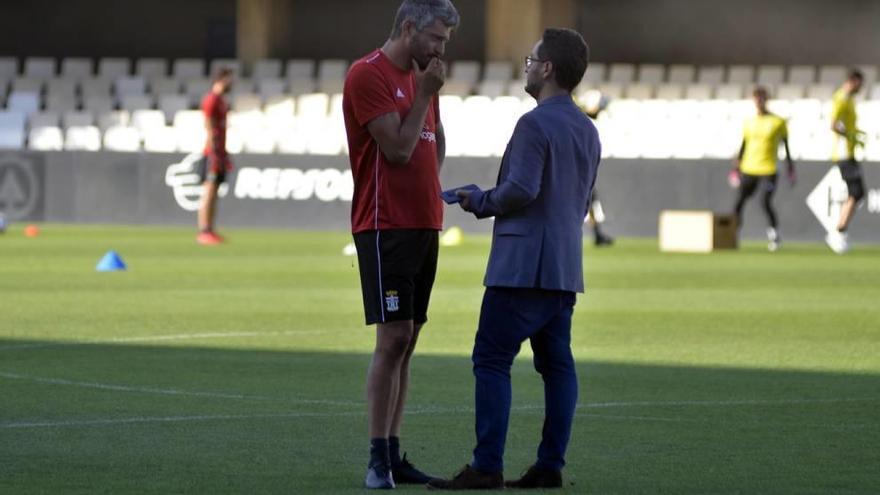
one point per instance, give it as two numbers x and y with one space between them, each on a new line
144 120
39 67
803 75
269 87
651 74
130 85
770 75
26 102
870 74
266 68
457 88
740 74
117 118
299 69
621 73
243 85
517 88
185 69
165 86
611 90
227 63
160 140
669 91
77 119
465 71
46 138
12 130
639 91
500 71
189 127
331 75
789 92
113 67
121 138
711 75
76 68
4 90
874 93
85 138
313 106
247 103
299 87
65 87
595 74
8 67
27 83
95 86
821 91
832 74
98 104
151 68
170 104
135 102
279 109
729 91
492 89
682 74
195 90
44 119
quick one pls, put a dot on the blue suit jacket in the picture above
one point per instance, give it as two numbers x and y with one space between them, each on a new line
544 186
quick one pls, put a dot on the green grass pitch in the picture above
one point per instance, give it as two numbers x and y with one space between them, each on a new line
240 368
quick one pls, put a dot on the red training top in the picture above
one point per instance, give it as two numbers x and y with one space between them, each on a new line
386 195
214 108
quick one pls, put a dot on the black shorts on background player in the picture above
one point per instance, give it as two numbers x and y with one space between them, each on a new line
207 172
852 175
397 269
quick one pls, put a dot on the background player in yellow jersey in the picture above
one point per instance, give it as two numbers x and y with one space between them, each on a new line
756 163
843 124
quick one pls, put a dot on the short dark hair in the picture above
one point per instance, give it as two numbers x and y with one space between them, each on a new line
568 52
222 73
855 74
424 13
760 91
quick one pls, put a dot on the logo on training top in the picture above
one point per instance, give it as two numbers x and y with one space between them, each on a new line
270 183
427 135
19 187
185 181
400 93
392 301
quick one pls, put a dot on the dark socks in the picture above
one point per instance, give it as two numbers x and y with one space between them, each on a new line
394 450
379 454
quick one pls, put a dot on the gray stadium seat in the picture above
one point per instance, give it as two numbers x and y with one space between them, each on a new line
299 69
40 67
595 74
8 67
639 91
184 69
85 138
98 104
165 86
803 75
228 63
770 75
517 88
651 74
266 68
61 102
821 91
789 92
492 88
135 102
669 91
27 83
832 74
116 118
870 73
682 74
621 73
122 138
298 87
25 102
740 74
12 130
457 88
269 87
46 138
729 91
196 89
95 86
498 71
247 103
130 85
61 87
170 104
611 90
711 75
699 92
145 120
77 119
44 119
151 68
76 68
464 74
332 70
113 67
243 86
160 140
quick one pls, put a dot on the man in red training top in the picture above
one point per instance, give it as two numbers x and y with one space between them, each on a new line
215 163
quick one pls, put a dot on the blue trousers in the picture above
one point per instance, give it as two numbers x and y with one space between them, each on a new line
507 318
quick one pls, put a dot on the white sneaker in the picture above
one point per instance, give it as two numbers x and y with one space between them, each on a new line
773 240
837 241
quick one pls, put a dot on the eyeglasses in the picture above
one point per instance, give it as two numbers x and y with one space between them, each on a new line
530 60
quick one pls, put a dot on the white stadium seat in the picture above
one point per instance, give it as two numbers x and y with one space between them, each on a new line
821 91
135 102
682 74
189 127
8 67
46 138
77 119
803 75
196 89
59 102
266 68
76 68
96 86
41 67
246 102
144 120
126 86
711 74
98 104
151 68
160 140
120 138
113 67
118 118
621 73
170 104
28 84
243 86
639 91
85 138
492 88
669 91
465 71
740 74
729 91
270 87
226 63
832 74
65 87
165 86
44 119
12 130
498 71
279 110
26 102
651 74
789 92
184 69
299 69
595 74
770 75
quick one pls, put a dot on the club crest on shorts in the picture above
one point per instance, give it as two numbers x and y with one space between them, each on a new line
392 301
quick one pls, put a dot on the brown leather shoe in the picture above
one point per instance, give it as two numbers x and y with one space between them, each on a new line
469 479
537 478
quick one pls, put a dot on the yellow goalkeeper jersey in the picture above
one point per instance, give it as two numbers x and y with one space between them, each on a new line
843 110
762 135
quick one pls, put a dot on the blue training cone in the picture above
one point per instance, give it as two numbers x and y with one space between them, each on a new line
111 262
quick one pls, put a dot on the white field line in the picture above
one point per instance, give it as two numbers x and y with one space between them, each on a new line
160 338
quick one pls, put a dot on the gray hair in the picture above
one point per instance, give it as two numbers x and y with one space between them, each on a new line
424 13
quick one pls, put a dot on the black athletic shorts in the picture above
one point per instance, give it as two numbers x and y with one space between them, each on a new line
852 175
750 183
214 172
397 270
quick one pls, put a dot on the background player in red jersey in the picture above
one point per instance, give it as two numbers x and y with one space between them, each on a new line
396 144
215 163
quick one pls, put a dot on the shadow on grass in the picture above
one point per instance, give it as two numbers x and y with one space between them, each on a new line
88 418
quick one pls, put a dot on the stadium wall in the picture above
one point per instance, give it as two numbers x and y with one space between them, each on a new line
313 192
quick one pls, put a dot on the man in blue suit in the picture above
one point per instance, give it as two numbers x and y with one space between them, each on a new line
535 266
